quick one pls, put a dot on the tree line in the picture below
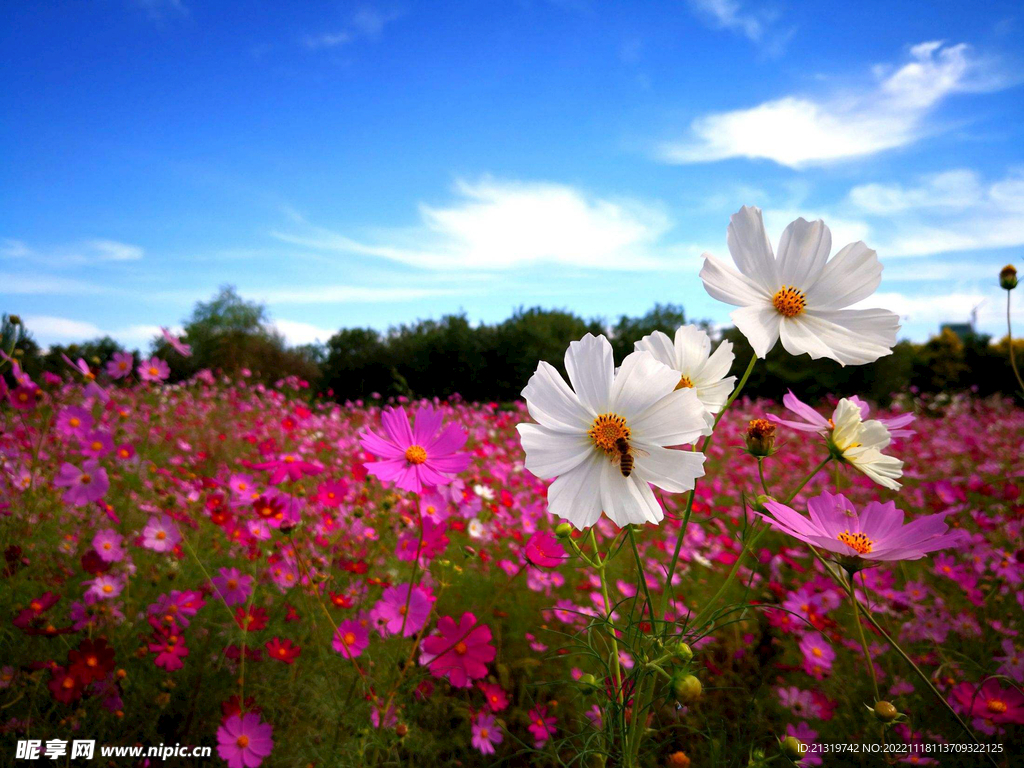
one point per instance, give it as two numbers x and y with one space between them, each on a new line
492 362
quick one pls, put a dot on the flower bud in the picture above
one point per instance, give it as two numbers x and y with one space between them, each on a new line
682 653
760 438
760 500
886 712
792 748
563 530
687 688
402 730
588 683
1007 278
16 319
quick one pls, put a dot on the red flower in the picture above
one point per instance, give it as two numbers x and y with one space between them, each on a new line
253 621
93 661
64 686
283 650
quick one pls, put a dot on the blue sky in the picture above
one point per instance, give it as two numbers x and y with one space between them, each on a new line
371 164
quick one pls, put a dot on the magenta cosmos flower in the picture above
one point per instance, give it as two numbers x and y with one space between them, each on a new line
107 544
120 365
243 740
233 586
351 638
183 349
459 652
876 533
414 457
85 485
160 534
154 369
486 733
541 727
815 422
400 611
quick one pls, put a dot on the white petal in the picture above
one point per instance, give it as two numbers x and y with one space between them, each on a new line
718 365
550 453
659 345
671 470
591 368
819 336
751 249
640 383
677 419
852 275
724 283
576 495
627 500
803 251
713 396
692 347
760 324
551 402
879 326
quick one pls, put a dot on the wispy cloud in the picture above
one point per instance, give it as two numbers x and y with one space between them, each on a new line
947 212
366 23
756 24
34 285
890 112
50 329
336 294
495 224
297 332
85 252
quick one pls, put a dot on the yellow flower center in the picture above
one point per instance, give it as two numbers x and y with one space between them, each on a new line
85 479
461 648
415 454
856 541
789 301
997 706
484 733
74 421
154 371
242 741
606 429
816 652
349 638
685 382
107 589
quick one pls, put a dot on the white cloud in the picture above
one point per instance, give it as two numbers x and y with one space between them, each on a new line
366 23
62 329
495 225
336 294
756 24
48 285
296 332
797 131
85 252
947 212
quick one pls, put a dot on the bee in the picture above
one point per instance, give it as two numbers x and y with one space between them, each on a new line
625 455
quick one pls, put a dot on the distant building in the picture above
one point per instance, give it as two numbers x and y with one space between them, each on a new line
962 330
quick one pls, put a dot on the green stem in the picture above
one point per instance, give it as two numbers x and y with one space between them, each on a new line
643 578
760 474
689 501
1009 341
749 545
863 639
807 479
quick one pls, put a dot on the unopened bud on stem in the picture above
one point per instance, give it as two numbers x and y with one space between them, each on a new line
1007 278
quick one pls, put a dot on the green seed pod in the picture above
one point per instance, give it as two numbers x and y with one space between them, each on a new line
792 748
563 530
687 688
886 712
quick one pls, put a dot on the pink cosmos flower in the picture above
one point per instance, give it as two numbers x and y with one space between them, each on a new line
96 444
541 727
107 544
818 655
497 699
805 735
74 420
154 369
351 639
544 550
170 649
105 587
176 344
233 586
160 534
815 422
415 457
486 734
289 466
991 702
877 533
23 398
120 365
398 608
244 740
176 607
430 545
85 485
459 652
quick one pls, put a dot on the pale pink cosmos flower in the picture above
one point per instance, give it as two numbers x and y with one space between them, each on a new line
818 655
414 457
85 485
815 422
176 344
244 740
107 544
154 369
877 533
105 587
160 534
120 365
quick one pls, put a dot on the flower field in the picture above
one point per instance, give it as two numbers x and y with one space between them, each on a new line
213 563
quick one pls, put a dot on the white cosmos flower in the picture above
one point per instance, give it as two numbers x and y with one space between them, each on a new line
575 437
800 295
691 357
860 443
